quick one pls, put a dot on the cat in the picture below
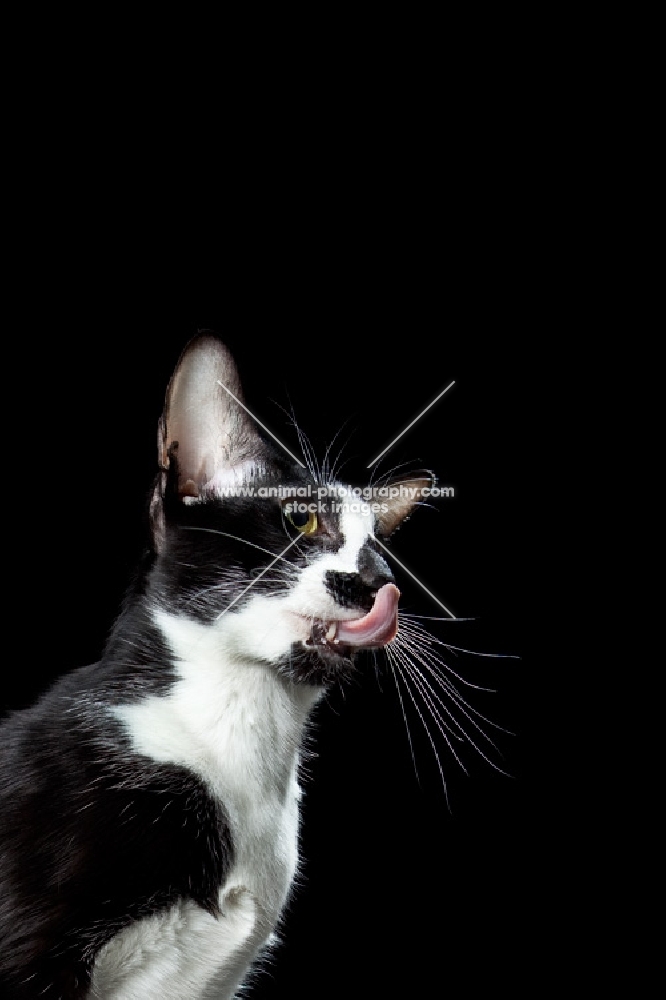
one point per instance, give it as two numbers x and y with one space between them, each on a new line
149 803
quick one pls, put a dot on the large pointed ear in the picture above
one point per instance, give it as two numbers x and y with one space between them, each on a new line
204 427
402 497
204 435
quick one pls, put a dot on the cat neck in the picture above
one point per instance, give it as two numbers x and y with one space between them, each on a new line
223 714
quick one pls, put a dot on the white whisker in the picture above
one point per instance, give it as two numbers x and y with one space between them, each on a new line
420 684
404 714
414 658
328 470
216 531
429 693
453 692
435 618
427 732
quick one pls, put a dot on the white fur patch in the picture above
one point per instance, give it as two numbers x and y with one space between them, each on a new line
183 953
238 726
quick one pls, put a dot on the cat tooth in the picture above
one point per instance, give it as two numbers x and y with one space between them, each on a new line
330 631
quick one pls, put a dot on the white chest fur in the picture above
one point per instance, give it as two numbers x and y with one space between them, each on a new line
238 727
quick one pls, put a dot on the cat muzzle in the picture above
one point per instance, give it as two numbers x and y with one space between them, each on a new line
376 629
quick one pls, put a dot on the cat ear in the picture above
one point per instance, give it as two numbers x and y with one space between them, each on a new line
407 493
204 429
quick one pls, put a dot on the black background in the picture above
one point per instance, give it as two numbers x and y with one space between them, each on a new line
399 883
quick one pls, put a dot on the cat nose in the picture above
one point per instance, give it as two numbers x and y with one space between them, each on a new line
372 568
359 589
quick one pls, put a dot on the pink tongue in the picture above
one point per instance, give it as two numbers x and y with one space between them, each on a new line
379 626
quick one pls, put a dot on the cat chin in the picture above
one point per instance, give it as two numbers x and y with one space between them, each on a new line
317 665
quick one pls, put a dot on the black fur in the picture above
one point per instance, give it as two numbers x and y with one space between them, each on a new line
94 836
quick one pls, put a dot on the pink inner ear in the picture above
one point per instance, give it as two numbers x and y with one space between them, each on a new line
210 427
379 626
401 507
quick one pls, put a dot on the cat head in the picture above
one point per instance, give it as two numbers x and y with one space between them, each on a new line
283 568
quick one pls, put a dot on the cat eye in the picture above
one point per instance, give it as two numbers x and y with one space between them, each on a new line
305 522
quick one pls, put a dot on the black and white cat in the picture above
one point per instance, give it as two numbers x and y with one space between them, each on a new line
149 804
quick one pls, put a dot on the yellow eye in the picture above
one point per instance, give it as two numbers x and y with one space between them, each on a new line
303 519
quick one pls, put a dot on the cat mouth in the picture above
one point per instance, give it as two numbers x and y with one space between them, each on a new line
371 631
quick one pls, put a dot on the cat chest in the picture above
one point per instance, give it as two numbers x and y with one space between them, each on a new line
264 832
237 731
247 764
186 951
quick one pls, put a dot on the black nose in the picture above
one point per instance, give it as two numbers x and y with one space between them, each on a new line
357 590
372 568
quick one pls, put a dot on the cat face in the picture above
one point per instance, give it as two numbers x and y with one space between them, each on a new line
280 567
